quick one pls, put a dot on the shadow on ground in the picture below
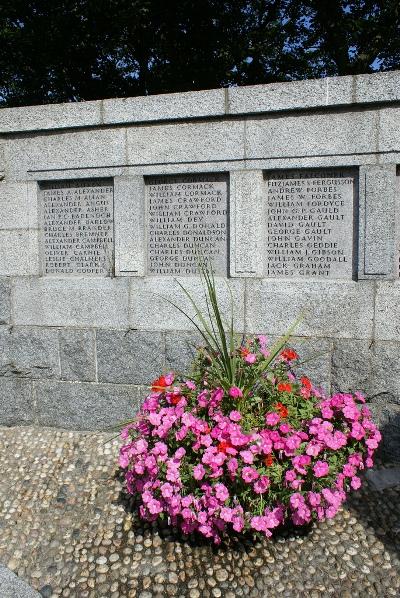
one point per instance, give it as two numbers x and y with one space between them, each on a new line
234 541
379 509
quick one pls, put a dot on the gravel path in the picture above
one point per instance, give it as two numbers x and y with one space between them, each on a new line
66 529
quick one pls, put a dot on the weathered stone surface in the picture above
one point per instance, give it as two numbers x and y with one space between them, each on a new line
360 89
50 116
388 129
129 356
386 415
12 586
273 97
188 142
180 350
155 292
29 353
19 252
273 305
311 135
377 220
86 406
102 171
16 402
313 93
374 88
308 161
276 97
2 160
387 311
129 225
384 478
340 90
4 300
72 149
165 107
385 372
77 355
246 189
83 302
351 365
18 210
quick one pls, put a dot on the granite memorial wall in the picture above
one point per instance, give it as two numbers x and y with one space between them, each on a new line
292 190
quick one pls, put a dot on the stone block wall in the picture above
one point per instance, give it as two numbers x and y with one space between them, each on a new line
78 351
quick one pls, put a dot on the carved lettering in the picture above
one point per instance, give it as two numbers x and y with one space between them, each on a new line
309 224
77 227
186 215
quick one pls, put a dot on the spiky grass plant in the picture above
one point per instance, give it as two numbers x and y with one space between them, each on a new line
220 338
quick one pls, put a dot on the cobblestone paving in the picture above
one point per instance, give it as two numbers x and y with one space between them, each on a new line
66 529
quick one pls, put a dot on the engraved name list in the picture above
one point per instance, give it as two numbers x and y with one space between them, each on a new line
309 224
186 215
77 225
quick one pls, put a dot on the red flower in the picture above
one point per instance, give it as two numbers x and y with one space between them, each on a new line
284 387
244 351
175 399
289 354
281 409
305 382
223 445
159 385
269 459
306 387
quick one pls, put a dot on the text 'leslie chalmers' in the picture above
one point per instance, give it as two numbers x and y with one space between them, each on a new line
309 224
77 227
186 216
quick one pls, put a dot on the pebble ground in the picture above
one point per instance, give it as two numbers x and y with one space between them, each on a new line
66 529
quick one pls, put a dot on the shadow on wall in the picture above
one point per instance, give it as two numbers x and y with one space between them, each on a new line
387 417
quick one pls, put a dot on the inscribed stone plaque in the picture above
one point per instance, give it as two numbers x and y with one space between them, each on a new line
77 227
309 223
186 215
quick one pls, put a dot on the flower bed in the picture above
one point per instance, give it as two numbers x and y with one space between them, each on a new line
212 456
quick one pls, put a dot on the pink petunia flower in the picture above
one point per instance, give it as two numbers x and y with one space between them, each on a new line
199 472
290 475
235 392
321 469
247 457
221 492
249 474
166 490
272 418
250 358
262 485
235 416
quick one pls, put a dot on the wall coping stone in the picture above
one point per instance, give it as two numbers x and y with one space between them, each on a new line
307 94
